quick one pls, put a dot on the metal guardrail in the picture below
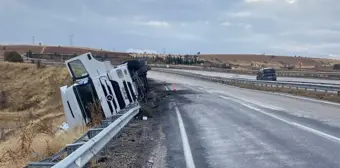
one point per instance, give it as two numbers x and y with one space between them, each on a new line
323 75
81 151
316 83
297 85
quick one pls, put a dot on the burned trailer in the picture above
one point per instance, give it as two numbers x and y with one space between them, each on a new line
96 83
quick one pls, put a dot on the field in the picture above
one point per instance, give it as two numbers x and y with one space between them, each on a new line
30 112
238 61
252 61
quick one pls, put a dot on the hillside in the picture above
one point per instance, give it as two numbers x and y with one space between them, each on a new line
114 57
240 61
30 111
252 60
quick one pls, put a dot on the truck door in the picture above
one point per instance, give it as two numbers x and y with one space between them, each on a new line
87 96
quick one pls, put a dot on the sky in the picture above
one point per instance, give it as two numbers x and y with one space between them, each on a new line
280 27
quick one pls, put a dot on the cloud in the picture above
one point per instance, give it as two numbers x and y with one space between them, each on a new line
155 23
285 27
291 1
226 24
240 14
253 1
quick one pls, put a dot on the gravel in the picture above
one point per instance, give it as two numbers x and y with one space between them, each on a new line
140 143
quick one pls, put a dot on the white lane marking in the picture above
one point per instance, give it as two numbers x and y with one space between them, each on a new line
166 88
186 146
307 99
317 132
257 103
204 89
331 137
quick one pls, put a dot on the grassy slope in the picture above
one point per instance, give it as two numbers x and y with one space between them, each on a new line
32 114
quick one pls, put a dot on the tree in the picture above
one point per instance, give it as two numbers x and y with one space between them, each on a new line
195 59
180 59
13 56
186 59
170 59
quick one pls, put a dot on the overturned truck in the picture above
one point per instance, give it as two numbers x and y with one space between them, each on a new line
96 83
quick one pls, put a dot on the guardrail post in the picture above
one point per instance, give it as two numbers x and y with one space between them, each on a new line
92 132
72 147
106 123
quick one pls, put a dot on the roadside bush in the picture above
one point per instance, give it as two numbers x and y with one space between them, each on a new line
336 66
13 56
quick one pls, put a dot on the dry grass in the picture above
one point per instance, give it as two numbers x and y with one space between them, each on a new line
31 110
35 143
29 87
96 113
266 59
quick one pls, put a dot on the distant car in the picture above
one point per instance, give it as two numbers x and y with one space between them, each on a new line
266 74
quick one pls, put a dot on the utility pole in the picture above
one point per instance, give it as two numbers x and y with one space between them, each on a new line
33 40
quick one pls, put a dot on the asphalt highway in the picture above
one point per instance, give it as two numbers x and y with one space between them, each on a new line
230 75
214 125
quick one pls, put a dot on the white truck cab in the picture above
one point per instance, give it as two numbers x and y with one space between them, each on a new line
96 82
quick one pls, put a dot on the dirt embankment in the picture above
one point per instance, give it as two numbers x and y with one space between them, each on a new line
30 92
30 112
